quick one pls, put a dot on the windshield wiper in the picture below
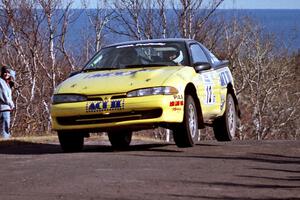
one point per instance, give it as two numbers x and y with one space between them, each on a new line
146 65
98 69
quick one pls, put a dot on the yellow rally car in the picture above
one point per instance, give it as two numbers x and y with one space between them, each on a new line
173 83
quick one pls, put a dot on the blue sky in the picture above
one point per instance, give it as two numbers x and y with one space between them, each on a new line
232 4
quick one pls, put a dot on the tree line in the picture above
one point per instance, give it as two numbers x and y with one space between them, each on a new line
34 38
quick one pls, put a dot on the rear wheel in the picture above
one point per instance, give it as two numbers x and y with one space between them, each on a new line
225 127
71 142
120 140
186 134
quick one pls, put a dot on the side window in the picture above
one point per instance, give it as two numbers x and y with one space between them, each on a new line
198 54
213 58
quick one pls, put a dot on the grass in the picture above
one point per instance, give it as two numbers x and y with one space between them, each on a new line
28 140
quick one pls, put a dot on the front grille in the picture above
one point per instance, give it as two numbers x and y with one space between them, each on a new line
100 97
121 96
108 118
94 98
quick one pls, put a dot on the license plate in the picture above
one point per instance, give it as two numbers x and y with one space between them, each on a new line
99 106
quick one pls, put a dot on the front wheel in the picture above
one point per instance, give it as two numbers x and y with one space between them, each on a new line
225 127
70 142
120 140
186 134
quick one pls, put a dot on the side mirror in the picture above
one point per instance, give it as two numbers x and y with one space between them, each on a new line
74 73
201 66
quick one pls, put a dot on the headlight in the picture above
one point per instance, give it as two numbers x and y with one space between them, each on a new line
153 91
67 98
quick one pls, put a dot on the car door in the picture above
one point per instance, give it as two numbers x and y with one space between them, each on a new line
208 88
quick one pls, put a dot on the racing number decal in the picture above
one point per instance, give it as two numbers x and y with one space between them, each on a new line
209 93
210 98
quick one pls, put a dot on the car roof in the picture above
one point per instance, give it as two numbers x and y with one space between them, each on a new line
151 40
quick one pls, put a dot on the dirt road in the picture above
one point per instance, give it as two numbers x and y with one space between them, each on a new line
251 170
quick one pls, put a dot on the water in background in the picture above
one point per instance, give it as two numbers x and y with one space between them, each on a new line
284 24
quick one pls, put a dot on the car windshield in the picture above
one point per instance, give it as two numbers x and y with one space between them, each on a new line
139 55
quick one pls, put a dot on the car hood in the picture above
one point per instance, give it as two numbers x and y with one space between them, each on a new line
116 81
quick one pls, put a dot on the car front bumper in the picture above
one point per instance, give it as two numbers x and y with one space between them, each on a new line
129 113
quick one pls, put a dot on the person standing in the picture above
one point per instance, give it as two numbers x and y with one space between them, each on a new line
6 103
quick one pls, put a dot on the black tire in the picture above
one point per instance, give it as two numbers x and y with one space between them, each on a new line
120 140
186 133
71 142
225 126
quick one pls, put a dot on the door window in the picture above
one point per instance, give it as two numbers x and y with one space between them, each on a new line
197 54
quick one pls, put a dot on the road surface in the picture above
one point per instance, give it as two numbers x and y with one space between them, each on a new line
250 170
